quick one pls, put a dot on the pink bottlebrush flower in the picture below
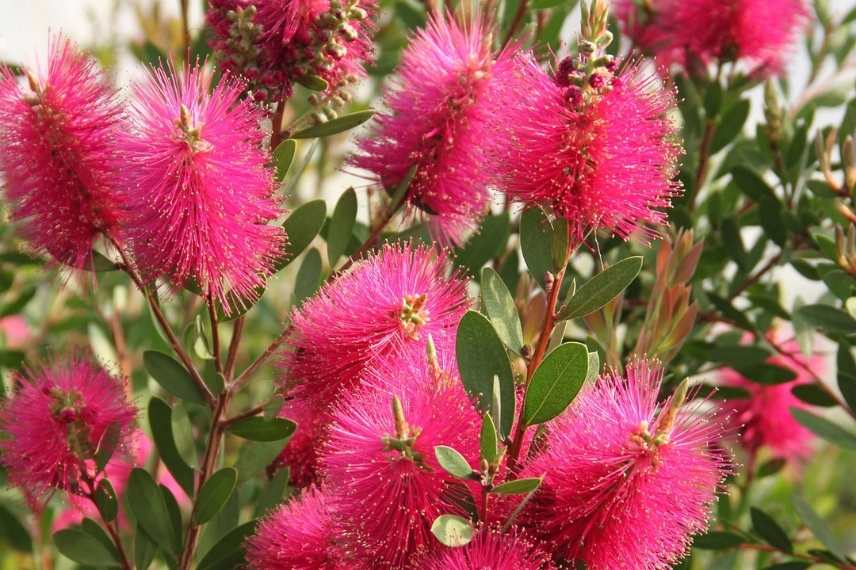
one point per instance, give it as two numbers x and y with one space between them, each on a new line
760 32
275 43
385 306
59 159
627 482
764 418
199 192
379 462
439 123
56 422
608 162
296 536
490 549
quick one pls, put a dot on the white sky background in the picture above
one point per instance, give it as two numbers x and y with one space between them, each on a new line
25 26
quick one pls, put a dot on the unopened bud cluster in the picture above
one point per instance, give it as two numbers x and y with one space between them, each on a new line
590 72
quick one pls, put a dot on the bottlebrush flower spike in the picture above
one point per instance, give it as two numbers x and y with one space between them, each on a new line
760 32
600 155
56 423
274 43
764 417
490 549
59 159
379 461
440 124
297 535
199 192
627 482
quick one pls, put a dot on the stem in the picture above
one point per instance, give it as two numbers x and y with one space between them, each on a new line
516 22
165 326
703 161
232 356
260 360
215 336
185 28
540 349
118 541
212 450
276 135
485 495
248 414
751 280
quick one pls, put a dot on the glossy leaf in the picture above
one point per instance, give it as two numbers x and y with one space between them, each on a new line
214 494
300 228
556 383
536 243
160 422
149 508
172 376
341 226
489 440
283 156
83 548
826 429
484 245
518 486
452 462
818 527
768 529
501 310
718 540
334 126
828 318
106 501
452 530
308 276
258 428
602 288
229 552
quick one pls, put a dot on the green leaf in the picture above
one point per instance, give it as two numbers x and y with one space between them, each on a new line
556 383
501 310
518 486
481 356
730 125
214 494
341 226
229 552
148 506
272 494
312 82
771 467
13 533
770 213
105 500
751 184
486 244
174 513
160 421
144 549
489 441
593 367
81 547
814 395
602 288
258 428
300 228
768 374
827 318
107 445
824 428
172 376
452 462
768 529
283 156
335 126
255 456
718 540
536 243
100 263
308 276
452 530
818 527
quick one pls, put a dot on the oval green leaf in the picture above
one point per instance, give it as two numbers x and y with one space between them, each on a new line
172 376
536 243
341 226
229 552
556 383
768 529
489 441
147 504
105 500
300 228
283 156
602 288
501 310
453 462
481 356
308 276
214 494
258 428
518 486
452 530
81 547
160 421
335 126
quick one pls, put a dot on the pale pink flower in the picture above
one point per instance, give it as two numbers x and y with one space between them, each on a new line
275 43
56 422
296 536
493 550
59 161
627 482
609 162
199 192
379 463
439 125
764 418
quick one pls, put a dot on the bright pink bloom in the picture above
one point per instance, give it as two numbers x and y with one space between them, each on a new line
56 422
275 43
440 122
764 418
386 306
59 158
627 481
388 487
199 192
606 163
297 536
760 32
490 549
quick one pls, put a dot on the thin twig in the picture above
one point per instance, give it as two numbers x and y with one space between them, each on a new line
185 28
232 356
516 22
260 360
215 335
